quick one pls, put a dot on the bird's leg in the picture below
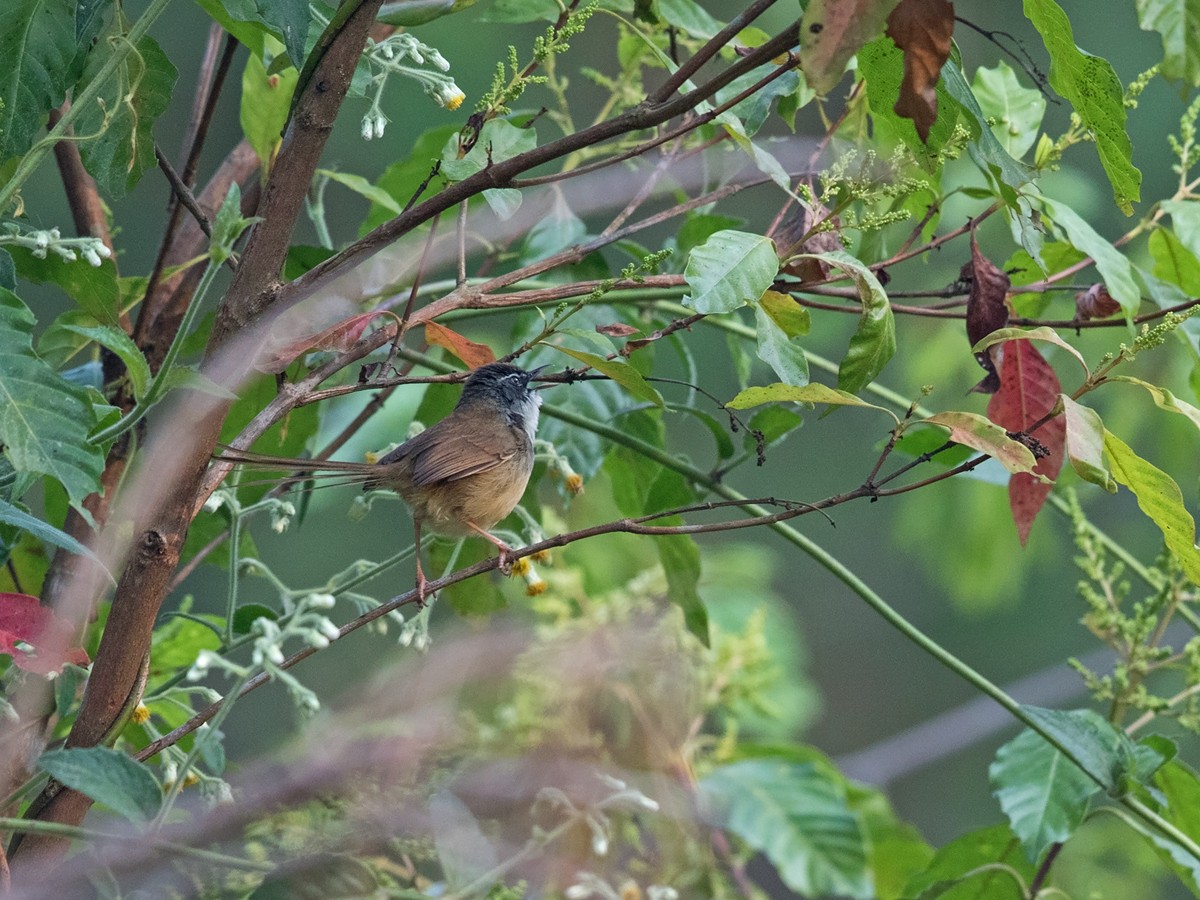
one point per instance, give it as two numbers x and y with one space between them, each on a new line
421 581
505 564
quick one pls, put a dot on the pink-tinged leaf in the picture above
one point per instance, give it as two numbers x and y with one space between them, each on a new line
617 329
975 431
1029 391
471 353
338 338
832 31
1085 443
38 640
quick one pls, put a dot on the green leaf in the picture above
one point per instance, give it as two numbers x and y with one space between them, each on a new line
1042 333
719 432
1180 789
44 420
504 202
498 140
402 178
248 613
1016 110
18 518
729 270
132 102
290 18
1042 793
774 423
1159 497
1174 262
690 17
809 393
227 226
266 102
417 12
1185 217
978 432
1085 443
93 288
8 271
1104 753
985 149
963 861
108 776
37 38
122 346
239 18
797 816
1178 21
679 554
778 319
621 372
364 188
1163 398
1091 86
874 342
1112 265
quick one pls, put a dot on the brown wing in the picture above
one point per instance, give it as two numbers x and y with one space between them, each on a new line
438 456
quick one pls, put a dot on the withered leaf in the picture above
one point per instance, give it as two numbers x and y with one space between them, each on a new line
617 329
1095 303
337 338
790 241
923 29
986 311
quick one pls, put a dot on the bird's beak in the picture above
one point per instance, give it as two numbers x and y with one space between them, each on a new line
533 373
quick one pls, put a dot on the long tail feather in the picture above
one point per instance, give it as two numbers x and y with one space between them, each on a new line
250 459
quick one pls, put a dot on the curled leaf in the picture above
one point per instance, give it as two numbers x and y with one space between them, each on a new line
923 29
974 431
987 311
617 329
1095 303
790 239
470 352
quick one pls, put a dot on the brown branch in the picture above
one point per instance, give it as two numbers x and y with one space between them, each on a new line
87 208
181 192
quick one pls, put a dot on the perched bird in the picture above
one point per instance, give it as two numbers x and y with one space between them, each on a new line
459 476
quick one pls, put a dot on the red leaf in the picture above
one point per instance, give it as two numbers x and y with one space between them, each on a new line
1028 391
473 354
923 29
339 337
36 638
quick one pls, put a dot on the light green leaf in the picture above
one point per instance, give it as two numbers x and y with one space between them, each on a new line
1163 398
1159 497
832 31
809 393
504 201
228 225
1174 262
1185 217
364 188
132 102
44 420
1041 333
621 372
680 558
120 344
987 151
689 16
108 776
1178 21
1085 443
18 518
1043 794
798 817
37 40
978 432
498 140
1114 268
1091 86
1017 110
968 860
874 342
778 318
729 270
266 102
1180 788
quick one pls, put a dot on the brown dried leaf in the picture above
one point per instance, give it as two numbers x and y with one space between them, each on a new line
471 353
923 29
986 311
832 31
1029 391
1095 303
617 329
790 241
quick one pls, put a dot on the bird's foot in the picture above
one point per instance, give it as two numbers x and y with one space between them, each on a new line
506 564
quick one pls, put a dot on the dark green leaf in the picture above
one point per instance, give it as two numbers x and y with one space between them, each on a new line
246 614
679 554
8 271
798 817
774 423
45 420
93 288
730 269
1110 262
290 19
690 17
1174 262
37 38
122 346
18 518
132 102
1091 86
1104 753
110 777
89 19
967 860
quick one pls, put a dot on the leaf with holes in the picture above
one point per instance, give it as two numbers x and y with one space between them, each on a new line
832 31
1029 391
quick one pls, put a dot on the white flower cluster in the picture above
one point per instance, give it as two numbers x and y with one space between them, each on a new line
40 242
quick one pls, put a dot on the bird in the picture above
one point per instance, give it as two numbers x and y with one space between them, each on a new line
461 475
